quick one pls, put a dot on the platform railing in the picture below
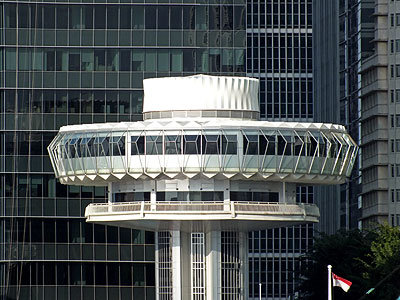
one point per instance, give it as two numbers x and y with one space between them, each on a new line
233 207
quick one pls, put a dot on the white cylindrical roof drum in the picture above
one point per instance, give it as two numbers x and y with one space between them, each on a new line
200 92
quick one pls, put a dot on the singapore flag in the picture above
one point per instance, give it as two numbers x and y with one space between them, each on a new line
341 282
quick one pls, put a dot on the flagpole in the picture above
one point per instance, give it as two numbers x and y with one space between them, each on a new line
329 282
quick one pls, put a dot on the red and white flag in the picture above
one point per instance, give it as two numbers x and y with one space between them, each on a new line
341 282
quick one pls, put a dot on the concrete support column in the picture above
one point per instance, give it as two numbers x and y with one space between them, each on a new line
213 270
110 196
227 198
185 267
157 267
288 193
110 193
176 265
153 195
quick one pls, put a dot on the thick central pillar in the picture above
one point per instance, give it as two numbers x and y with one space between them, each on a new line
213 273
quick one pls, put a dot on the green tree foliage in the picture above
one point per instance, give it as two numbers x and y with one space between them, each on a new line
383 264
368 259
343 251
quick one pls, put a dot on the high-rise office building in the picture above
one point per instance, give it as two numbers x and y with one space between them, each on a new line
77 62
338 61
82 62
279 53
380 96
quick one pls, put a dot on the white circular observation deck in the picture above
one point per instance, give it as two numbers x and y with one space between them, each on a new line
201 136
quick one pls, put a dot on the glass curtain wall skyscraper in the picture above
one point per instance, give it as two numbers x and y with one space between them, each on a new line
83 61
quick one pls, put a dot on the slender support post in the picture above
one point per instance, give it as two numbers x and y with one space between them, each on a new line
213 271
110 197
153 196
157 267
142 209
178 265
259 289
110 194
329 282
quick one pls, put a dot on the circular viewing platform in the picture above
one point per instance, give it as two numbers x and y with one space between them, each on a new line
201 144
308 153
205 216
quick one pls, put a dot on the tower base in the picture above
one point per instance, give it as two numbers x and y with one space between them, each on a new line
201 266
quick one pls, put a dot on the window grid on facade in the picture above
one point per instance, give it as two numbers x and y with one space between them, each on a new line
280 54
80 63
394 170
395 145
395 195
274 260
274 255
230 266
85 257
395 95
395 219
198 266
395 19
394 46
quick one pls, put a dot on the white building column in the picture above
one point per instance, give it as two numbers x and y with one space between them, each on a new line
176 265
153 195
157 269
213 269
